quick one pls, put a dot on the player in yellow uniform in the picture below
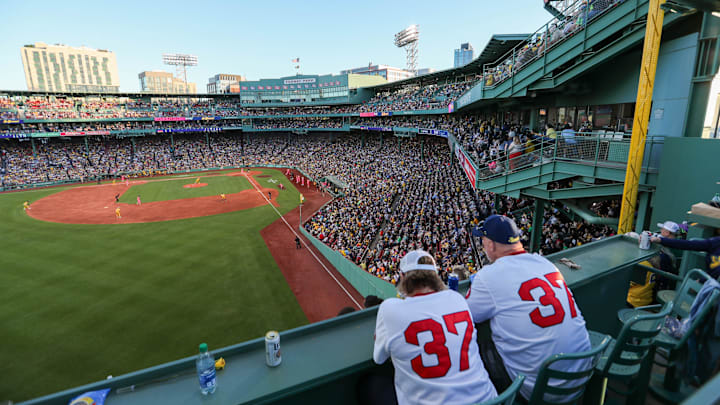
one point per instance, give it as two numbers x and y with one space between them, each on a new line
117 213
197 180
26 205
222 197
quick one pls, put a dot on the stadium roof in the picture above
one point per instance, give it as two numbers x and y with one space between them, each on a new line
497 46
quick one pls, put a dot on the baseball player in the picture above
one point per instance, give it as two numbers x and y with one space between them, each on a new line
197 181
117 213
138 200
430 338
26 205
532 311
222 197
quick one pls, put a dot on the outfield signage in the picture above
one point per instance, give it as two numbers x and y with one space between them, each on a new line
435 132
83 133
14 136
376 114
467 166
385 129
169 118
299 81
11 121
181 130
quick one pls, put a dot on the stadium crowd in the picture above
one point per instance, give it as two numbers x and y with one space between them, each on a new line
400 195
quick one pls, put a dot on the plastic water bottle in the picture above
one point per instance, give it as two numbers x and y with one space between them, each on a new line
205 364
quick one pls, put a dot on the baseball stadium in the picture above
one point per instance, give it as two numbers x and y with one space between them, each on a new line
138 225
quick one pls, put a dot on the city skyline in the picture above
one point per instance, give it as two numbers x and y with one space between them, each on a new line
140 32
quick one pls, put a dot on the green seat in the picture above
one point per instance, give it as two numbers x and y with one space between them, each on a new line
547 389
625 358
508 396
671 347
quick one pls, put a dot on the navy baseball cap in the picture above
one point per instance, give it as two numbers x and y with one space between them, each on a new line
500 229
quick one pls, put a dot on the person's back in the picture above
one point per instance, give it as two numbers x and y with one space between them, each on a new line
533 315
568 135
531 310
423 334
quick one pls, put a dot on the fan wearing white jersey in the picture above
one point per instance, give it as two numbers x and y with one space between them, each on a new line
430 338
531 309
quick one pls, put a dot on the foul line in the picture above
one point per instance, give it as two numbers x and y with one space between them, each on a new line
302 240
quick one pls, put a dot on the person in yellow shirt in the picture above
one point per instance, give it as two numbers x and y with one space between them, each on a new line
117 213
26 205
550 132
223 198
197 180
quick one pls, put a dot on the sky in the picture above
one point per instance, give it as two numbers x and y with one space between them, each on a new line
257 39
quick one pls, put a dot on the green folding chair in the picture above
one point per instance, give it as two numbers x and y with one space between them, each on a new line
553 386
670 348
508 396
625 359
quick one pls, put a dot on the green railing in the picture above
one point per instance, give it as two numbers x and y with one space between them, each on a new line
597 149
364 282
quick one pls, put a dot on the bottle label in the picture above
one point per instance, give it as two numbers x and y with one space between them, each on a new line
207 378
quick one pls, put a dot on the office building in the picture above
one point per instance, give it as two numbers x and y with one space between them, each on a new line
391 74
158 81
65 68
464 55
223 83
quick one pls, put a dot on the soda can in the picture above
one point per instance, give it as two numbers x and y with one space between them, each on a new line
645 240
273 358
453 282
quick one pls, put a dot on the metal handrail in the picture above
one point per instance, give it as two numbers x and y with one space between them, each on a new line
590 147
576 17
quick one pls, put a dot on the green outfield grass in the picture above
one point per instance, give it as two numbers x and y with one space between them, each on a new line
81 302
172 189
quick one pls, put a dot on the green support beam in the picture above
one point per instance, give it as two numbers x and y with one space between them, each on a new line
706 66
537 226
32 141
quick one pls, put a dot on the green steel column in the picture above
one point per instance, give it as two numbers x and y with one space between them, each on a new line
362 139
533 119
207 139
537 224
706 66
32 141
381 139
399 151
172 141
87 147
643 205
422 149
497 202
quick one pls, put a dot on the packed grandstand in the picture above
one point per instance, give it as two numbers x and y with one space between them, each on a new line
401 193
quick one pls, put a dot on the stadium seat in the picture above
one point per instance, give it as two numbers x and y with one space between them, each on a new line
508 396
546 391
671 348
629 357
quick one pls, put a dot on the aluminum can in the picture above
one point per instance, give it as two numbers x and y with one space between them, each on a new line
273 357
645 240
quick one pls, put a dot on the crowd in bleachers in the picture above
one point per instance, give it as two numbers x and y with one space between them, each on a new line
398 198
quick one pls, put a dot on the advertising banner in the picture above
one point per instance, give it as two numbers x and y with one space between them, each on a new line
169 118
435 132
11 121
468 168
83 133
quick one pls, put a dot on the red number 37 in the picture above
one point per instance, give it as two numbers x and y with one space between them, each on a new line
437 345
547 299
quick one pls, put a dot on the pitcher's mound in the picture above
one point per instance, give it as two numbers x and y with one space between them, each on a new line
195 185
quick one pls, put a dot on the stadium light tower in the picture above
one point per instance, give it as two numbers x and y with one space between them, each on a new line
181 62
408 39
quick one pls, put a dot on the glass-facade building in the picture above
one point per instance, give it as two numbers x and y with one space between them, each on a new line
64 68
464 55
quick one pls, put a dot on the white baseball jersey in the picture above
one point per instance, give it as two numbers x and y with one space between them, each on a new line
532 314
432 342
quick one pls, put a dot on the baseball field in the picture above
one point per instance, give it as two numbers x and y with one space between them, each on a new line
83 299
